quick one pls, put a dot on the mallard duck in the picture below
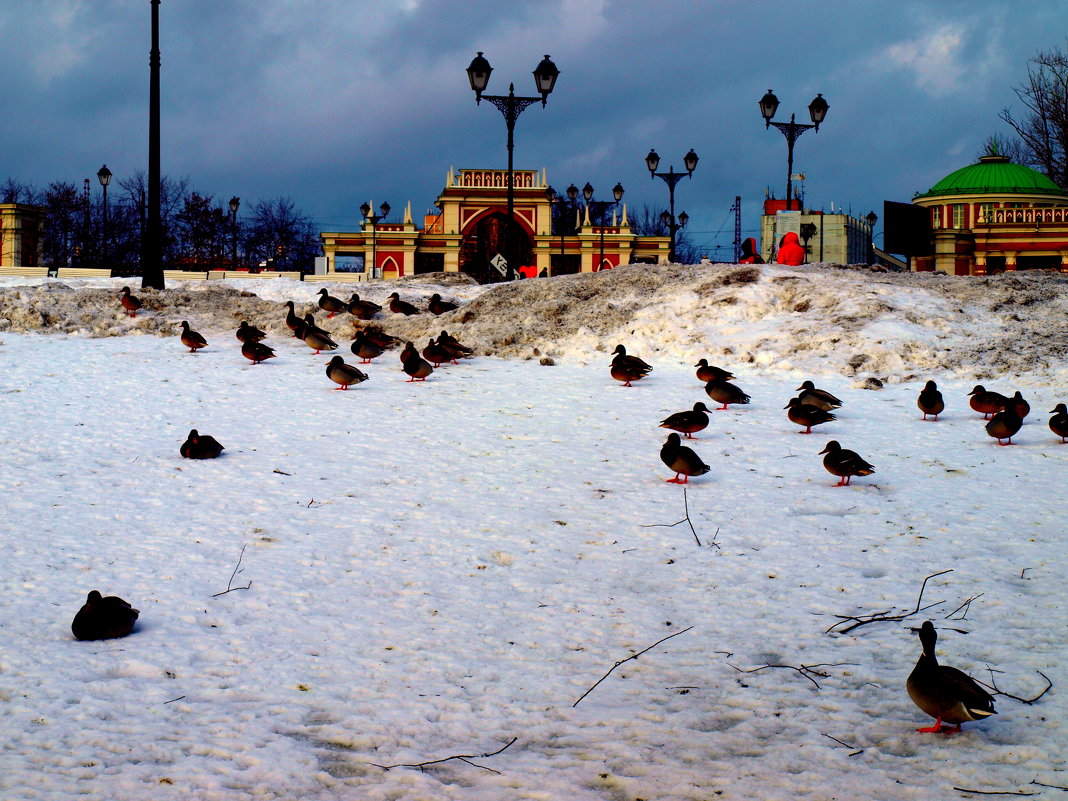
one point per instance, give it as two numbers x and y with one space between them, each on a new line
364 348
417 367
807 415
1004 424
362 309
129 302
1021 406
329 303
435 354
986 402
318 341
408 351
293 322
682 460
943 692
103 618
256 352
309 325
844 463
688 422
380 337
818 397
723 391
453 345
930 400
1058 424
628 368
709 372
249 333
200 446
344 374
398 306
439 306
191 339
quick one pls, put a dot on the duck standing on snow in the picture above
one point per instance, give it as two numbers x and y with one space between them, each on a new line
682 460
200 446
1058 424
191 339
343 374
806 414
1021 406
256 352
930 400
943 692
318 340
416 366
398 306
628 368
688 422
129 302
439 306
844 463
1004 424
293 322
453 345
818 397
362 309
435 354
103 618
364 348
329 303
249 333
723 391
709 372
986 402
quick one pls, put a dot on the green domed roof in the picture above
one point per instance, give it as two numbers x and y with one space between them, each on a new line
994 175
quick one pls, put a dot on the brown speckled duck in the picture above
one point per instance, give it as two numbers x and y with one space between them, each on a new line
362 309
943 692
1058 424
844 463
398 306
688 422
191 339
986 402
723 391
319 341
439 306
129 302
1004 424
345 375
930 400
256 352
709 372
200 446
249 333
416 366
329 303
364 348
682 460
103 618
818 397
628 368
807 414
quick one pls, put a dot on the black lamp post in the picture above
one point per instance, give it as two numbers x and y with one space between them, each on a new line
817 110
566 207
871 218
365 210
104 176
600 207
545 75
235 203
671 178
152 245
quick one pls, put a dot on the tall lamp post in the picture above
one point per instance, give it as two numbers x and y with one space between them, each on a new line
601 206
235 203
652 161
104 176
152 245
365 210
566 206
817 110
871 218
545 75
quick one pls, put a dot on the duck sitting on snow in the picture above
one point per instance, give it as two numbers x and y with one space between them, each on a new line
628 368
345 375
362 309
844 463
398 306
688 422
807 414
682 460
986 402
943 692
1058 424
103 618
930 400
249 333
709 372
723 391
818 397
439 306
256 352
200 446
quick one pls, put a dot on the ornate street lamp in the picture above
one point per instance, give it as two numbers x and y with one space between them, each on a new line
235 203
152 243
871 218
545 75
817 110
567 206
600 207
652 161
104 176
365 210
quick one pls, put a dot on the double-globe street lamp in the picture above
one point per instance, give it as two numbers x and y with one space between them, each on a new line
235 203
817 110
652 161
601 206
104 176
545 75
566 207
365 210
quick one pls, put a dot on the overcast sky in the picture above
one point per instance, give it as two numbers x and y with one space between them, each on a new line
334 102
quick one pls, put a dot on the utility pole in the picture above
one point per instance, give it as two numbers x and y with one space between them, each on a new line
737 228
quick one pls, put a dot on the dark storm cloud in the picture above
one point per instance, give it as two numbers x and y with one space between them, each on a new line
333 103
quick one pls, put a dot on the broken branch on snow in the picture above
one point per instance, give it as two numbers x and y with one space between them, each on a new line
465 758
633 656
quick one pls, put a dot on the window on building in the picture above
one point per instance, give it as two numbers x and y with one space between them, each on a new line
958 215
987 210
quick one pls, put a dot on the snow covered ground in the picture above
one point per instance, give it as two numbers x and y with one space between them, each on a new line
437 569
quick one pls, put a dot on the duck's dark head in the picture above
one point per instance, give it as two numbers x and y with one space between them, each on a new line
832 447
928 637
620 350
806 385
700 407
1060 408
930 386
702 363
978 388
793 402
94 597
674 440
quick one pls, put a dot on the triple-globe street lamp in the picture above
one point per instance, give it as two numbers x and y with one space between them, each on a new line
545 75
652 161
600 207
817 110
566 206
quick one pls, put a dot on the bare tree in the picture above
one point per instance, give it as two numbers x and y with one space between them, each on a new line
281 233
1043 130
646 221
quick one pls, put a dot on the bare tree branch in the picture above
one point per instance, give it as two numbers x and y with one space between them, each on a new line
883 617
465 758
808 671
237 569
633 656
686 519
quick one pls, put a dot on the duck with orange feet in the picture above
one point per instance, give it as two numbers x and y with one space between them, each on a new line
628 368
1058 424
844 463
192 339
436 354
129 302
807 415
986 402
1004 424
945 693
256 352
453 345
723 391
682 460
363 347
930 400
416 367
344 375
329 303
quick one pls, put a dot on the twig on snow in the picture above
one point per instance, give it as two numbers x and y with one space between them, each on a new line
686 519
847 745
883 617
998 691
808 671
466 758
237 569
633 656
992 792
1053 786
965 606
